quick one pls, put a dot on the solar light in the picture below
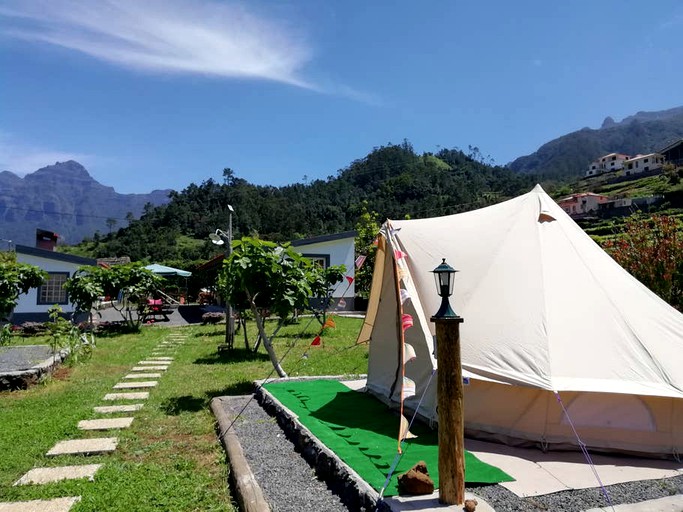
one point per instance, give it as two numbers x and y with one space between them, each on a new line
444 277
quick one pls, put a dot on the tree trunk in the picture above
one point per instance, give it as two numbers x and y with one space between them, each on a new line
266 341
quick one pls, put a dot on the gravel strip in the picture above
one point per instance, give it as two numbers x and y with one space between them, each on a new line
288 482
23 357
503 500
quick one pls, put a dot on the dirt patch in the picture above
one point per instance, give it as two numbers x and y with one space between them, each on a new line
62 373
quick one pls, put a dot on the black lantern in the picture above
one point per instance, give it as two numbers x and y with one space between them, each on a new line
444 276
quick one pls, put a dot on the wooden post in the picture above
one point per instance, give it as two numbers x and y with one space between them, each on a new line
451 411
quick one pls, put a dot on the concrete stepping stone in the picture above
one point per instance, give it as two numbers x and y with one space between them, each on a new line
142 376
105 424
55 505
48 475
84 446
147 368
140 395
136 385
154 362
108 409
161 359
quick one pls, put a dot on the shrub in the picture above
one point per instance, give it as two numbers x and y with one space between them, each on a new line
212 317
33 328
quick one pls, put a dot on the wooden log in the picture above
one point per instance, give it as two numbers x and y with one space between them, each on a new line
451 412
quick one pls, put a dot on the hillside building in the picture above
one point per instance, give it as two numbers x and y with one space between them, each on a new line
577 205
643 163
673 153
607 163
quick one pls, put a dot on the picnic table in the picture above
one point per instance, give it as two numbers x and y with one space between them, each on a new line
154 308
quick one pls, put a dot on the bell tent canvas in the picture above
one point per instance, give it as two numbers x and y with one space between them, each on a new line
557 339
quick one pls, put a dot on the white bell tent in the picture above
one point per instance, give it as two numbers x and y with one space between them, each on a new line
551 322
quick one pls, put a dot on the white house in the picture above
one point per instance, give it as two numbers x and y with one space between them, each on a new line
581 204
34 305
330 250
643 163
607 163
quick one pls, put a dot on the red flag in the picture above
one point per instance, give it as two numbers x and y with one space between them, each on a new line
349 279
407 321
317 342
398 254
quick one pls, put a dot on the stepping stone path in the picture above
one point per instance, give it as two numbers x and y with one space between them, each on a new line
84 446
142 395
108 409
133 385
142 376
105 424
95 445
47 475
56 505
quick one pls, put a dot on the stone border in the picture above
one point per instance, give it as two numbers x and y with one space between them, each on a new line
354 492
247 490
22 379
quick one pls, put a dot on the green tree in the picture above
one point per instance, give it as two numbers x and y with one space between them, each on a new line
15 279
264 276
134 282
367 229
651 249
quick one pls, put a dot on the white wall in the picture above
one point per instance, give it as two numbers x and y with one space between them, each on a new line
28 303
341 252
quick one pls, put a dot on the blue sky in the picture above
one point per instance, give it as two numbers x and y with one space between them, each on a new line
163 93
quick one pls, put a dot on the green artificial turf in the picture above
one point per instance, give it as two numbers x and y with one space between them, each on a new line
363 433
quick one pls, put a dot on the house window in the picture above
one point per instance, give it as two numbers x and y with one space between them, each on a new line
630 166
52 290
614 158
646 160
319 259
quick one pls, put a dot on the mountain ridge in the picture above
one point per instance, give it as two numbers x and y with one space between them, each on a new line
66 199
569 155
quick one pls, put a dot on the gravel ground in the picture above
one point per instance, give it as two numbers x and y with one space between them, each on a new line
13 359
290 484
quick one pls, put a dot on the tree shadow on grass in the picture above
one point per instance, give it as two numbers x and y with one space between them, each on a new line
236 355
177 405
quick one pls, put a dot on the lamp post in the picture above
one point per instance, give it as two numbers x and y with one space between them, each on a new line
222 238
449 392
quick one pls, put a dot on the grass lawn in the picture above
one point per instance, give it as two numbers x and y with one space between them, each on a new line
170 458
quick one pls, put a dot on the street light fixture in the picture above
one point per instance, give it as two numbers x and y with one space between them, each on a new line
449 392
220 237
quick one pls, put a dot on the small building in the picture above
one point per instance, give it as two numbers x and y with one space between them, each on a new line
581 204
607 163
330 250
643 163
673 153
34 305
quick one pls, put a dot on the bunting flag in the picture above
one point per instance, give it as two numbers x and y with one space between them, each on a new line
375 242
404 432
341 304
330 323
404 295
349 279
317 341
393 231
402 274
406 321
408 353
399 255
360 260
408 388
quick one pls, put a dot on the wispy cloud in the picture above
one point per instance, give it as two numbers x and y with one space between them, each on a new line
22 158
206 37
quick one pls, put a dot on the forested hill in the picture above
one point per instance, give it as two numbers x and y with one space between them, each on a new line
393 181
569 156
